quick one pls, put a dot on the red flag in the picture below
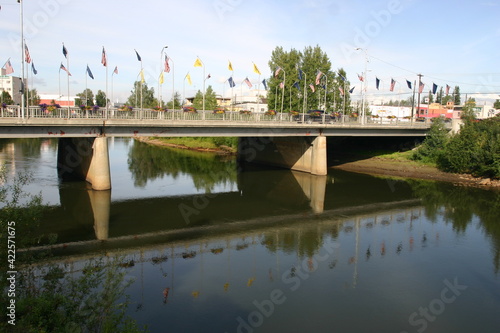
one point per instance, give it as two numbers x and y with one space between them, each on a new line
64 69
8 68
393 83
116 70
282 85
447 89
312 87
421 87
341 91
361 78
249 84
167 67
318 76
27 54
104 61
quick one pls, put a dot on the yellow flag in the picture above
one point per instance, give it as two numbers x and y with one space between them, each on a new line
142 76
188 77
255 69
198 63
230 66
161 78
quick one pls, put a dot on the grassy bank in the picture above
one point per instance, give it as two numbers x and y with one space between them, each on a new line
215 143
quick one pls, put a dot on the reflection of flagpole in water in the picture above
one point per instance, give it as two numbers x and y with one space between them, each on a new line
228 276
252 279
355 276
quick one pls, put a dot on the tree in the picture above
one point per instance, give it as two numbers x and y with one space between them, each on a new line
175 103
100 98
6 98
210 99
456 95
85 98
33 97
148 96
496 105
446 99
439 96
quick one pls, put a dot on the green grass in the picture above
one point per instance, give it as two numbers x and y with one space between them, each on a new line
202 143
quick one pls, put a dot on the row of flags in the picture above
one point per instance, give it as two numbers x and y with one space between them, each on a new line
421 85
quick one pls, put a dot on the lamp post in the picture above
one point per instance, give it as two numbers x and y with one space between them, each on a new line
364 86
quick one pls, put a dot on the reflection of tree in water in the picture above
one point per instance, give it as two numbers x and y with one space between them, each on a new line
147 162
461 205
29 148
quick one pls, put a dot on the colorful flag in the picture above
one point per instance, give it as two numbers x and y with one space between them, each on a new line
341 91
231 82
8 68
65 51
408 83
421 87
393 83
64 69
142 76
116 70
277 71
89 72
434 88
188 78
296 85
361 78
138 56
161 79
104 61
312 87
27 54
300 74
282 85
318 76
447 89
265 84
247 81
198 63
167 66
35 72
377 82
352 89
230 66
255 69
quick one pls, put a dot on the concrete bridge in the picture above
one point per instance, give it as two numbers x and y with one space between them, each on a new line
296 142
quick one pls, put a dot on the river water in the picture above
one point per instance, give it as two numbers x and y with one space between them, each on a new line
214 248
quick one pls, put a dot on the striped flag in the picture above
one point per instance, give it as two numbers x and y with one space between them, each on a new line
27 54
361 78
277 71
421 87
64 69
447 89
318 76
393 83
247 81
312 87
116 70
167 66
104 60
282 85
8 68
341 91
89 72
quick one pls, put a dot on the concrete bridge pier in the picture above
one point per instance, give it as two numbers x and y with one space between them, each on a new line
85 159
306 154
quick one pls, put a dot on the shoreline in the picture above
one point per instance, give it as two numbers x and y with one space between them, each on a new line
223 150
408 169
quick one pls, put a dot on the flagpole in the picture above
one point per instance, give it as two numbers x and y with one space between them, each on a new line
107 103
67 69
86 78
162 70
419 83
22 58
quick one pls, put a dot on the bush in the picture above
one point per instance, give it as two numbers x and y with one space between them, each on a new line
434 144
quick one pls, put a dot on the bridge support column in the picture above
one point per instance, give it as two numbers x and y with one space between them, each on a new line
85 159
306 154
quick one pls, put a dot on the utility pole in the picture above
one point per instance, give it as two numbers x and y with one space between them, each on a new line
419 82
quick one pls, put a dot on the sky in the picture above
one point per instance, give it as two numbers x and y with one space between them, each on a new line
448 42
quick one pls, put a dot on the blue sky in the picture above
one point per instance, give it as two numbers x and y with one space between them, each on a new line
449 42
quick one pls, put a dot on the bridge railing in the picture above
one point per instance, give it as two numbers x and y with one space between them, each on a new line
179 115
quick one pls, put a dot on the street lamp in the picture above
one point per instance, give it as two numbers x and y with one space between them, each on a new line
364 86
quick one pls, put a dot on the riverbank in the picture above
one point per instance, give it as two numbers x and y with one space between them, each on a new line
189 145
409 169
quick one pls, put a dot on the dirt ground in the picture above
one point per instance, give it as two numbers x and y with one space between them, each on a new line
409 169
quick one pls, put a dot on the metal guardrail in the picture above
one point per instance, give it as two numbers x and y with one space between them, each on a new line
180 115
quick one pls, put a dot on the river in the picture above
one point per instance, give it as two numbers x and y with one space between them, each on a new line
214 247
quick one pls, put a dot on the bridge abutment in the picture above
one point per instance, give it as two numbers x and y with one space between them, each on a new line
306 154
85 159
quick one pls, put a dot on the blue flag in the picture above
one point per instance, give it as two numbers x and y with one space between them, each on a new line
434 88
408 83
342 77
300 74
377 82
231 82
65 51
264 83
33 68
352 89
138 56
296 85
89 72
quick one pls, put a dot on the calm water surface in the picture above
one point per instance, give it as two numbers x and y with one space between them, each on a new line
216 250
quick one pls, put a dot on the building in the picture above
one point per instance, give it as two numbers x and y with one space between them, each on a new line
12 85
61 100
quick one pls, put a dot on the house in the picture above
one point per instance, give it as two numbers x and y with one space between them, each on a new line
12 85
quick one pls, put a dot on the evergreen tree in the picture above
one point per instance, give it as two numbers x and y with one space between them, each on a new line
100 98
175 104
85 98
6 98
210 99
456 95
148 96
496 105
